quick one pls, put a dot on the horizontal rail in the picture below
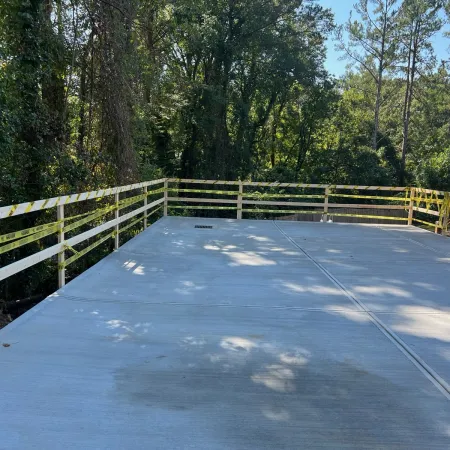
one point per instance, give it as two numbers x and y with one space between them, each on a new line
24 208
231 208
429 201
370 197
291 198
424 222
31 260
368 216
320 205
362 206
292 185
429 191
300 204
264 195
282 211
87 249
201 200
204 191
427 211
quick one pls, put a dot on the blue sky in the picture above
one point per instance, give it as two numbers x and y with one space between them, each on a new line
341 10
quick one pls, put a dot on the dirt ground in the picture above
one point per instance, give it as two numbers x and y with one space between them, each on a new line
4 319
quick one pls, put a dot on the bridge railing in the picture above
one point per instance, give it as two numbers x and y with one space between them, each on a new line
119 209
108 205
254 198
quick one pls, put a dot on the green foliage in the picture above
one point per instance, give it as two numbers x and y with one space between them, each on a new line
104 93
435 172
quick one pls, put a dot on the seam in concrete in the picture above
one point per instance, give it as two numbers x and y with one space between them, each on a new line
426 370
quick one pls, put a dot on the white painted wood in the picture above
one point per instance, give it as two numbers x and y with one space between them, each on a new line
166 196
145 204
117 228
269 203
29 261
239 201
201 200
362 206
61 255
325 204
411 207
5 211
299 185
429 191
427 211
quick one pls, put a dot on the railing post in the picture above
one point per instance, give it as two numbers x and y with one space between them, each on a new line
116 228
166 195
445 216
61 255
325 204
411 207
239 201
145 204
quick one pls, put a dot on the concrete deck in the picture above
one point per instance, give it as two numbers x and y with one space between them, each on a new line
250 335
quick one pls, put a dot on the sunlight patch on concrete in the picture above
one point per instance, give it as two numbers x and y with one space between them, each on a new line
348 313
188 288
139 270
382 290
248 259
315 289
193 341
276 377
260 238
276 414
129 265
424 322
427 286
237 344
112 324
293 358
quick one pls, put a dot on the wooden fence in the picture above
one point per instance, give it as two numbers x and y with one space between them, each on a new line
109 212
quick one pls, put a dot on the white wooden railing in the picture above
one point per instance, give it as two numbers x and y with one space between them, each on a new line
171 194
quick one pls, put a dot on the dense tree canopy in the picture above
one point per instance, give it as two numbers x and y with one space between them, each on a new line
96 92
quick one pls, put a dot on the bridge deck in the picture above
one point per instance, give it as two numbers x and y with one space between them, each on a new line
250 335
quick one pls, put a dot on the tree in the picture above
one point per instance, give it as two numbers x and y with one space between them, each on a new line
373 45
420 21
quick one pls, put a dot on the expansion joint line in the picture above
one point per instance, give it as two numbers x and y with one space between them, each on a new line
429 373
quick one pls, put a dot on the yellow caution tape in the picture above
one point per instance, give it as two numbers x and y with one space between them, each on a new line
428 201
368 197
132 200
28 240
68 247
18 234
445 212
86 249
427 223
94 215
205 191
33 234
363 216
81 253
263 196
203 207
154 211
281 211
139 219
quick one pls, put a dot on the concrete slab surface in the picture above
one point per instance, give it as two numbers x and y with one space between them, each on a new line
249 335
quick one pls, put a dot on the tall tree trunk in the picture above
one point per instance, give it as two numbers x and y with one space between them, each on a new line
411 72
379 83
